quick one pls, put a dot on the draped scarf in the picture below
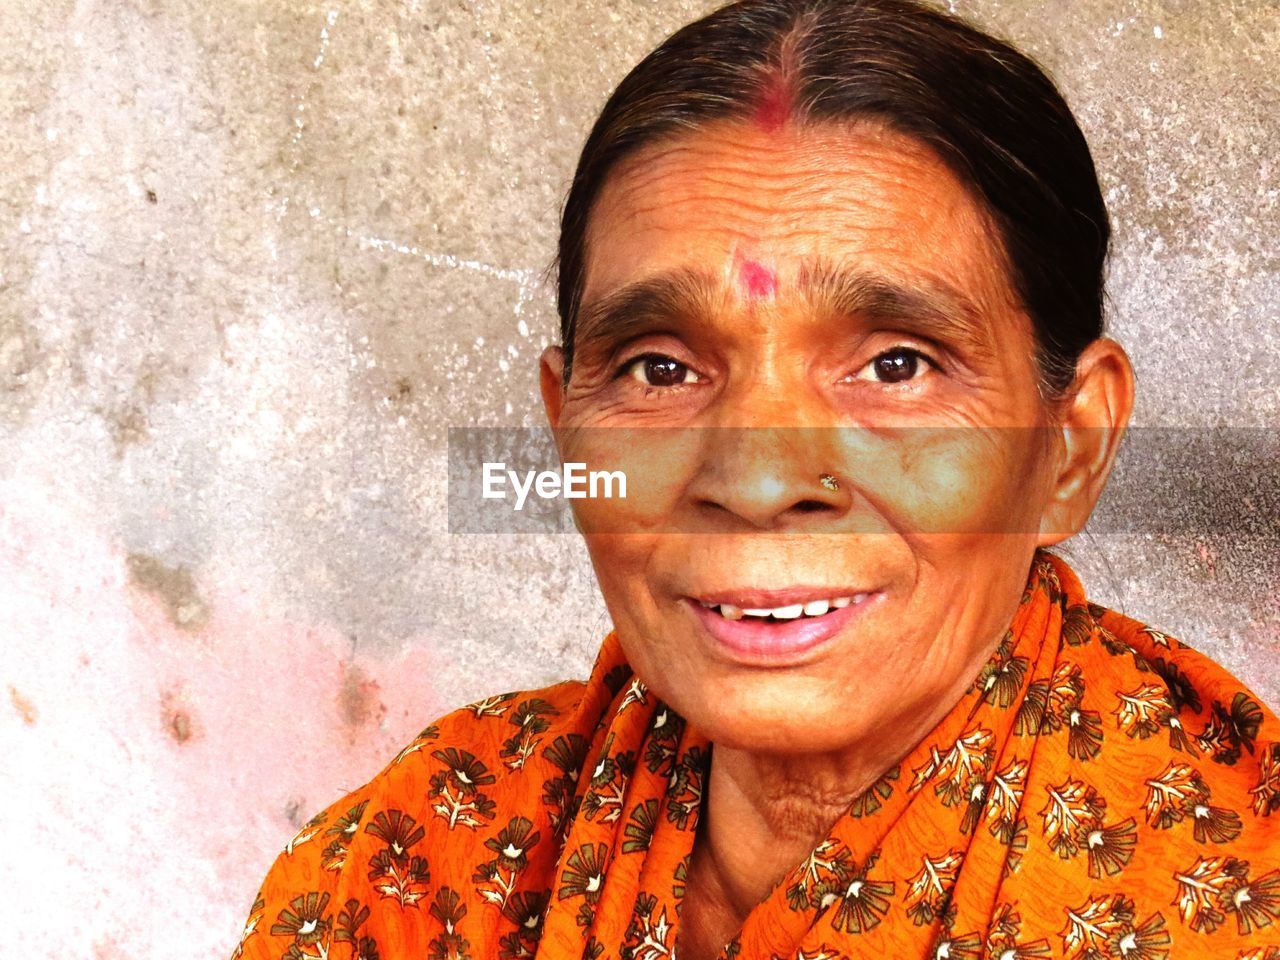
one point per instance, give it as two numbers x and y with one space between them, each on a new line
1101 791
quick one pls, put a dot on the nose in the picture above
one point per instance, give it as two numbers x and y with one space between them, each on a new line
764 461
769 477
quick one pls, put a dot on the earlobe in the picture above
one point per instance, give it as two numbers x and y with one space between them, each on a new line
1092 423
550 379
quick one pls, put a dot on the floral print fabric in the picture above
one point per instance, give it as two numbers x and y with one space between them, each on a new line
1102 792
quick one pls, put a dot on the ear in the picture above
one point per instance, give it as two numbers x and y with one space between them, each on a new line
550 379
1092 420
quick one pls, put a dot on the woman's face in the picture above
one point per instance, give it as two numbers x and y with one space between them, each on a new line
763 308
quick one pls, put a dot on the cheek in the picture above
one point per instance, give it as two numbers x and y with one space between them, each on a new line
623 565
617 559
630 538
961 480
658 464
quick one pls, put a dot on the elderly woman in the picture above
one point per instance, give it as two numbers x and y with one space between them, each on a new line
851 707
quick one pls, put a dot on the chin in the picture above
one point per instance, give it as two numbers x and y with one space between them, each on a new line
809 725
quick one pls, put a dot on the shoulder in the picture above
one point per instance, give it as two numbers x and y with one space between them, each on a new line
1183 727
1229 723
495 752
506 766
1155 777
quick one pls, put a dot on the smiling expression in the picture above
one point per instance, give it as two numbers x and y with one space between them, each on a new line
762 308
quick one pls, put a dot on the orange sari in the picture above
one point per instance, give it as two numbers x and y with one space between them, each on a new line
1102 791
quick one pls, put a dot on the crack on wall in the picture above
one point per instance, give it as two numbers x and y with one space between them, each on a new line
527 281
176 717
24 707
299 121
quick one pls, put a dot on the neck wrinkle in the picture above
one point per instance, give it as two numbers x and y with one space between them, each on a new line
793 810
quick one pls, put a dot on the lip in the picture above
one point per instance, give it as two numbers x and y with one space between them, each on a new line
749 598
776 644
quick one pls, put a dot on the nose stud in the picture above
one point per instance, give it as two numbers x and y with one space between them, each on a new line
829 482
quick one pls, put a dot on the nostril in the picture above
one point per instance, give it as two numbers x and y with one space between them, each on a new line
811 506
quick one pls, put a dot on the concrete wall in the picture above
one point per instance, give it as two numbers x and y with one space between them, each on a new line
259 256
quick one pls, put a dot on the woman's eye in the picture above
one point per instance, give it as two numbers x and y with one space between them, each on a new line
655 370
895 366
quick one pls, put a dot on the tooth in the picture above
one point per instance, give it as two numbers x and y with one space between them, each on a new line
859 597
709 606
789 613
816 608
730 612
841 602
756 613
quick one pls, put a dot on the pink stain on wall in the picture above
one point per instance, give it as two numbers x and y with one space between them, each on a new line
150 764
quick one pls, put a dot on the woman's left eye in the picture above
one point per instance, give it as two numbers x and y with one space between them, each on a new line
655 370
894 366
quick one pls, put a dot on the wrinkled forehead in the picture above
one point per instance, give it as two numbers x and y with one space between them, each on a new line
760 207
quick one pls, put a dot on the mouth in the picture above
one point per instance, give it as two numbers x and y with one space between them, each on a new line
777 628
817 607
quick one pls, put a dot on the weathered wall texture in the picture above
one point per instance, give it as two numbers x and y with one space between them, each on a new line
258 256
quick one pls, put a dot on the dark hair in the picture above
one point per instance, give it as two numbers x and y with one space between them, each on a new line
989 111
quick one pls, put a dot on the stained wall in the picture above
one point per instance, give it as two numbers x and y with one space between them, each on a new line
259 257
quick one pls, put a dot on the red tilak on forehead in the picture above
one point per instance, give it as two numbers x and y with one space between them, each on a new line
777 101
756 280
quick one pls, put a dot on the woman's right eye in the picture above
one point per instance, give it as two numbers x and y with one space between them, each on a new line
655 370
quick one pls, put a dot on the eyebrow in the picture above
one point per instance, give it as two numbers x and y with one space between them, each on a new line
686 294
926 306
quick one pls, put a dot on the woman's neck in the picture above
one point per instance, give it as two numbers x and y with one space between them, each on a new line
763 813
759 819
